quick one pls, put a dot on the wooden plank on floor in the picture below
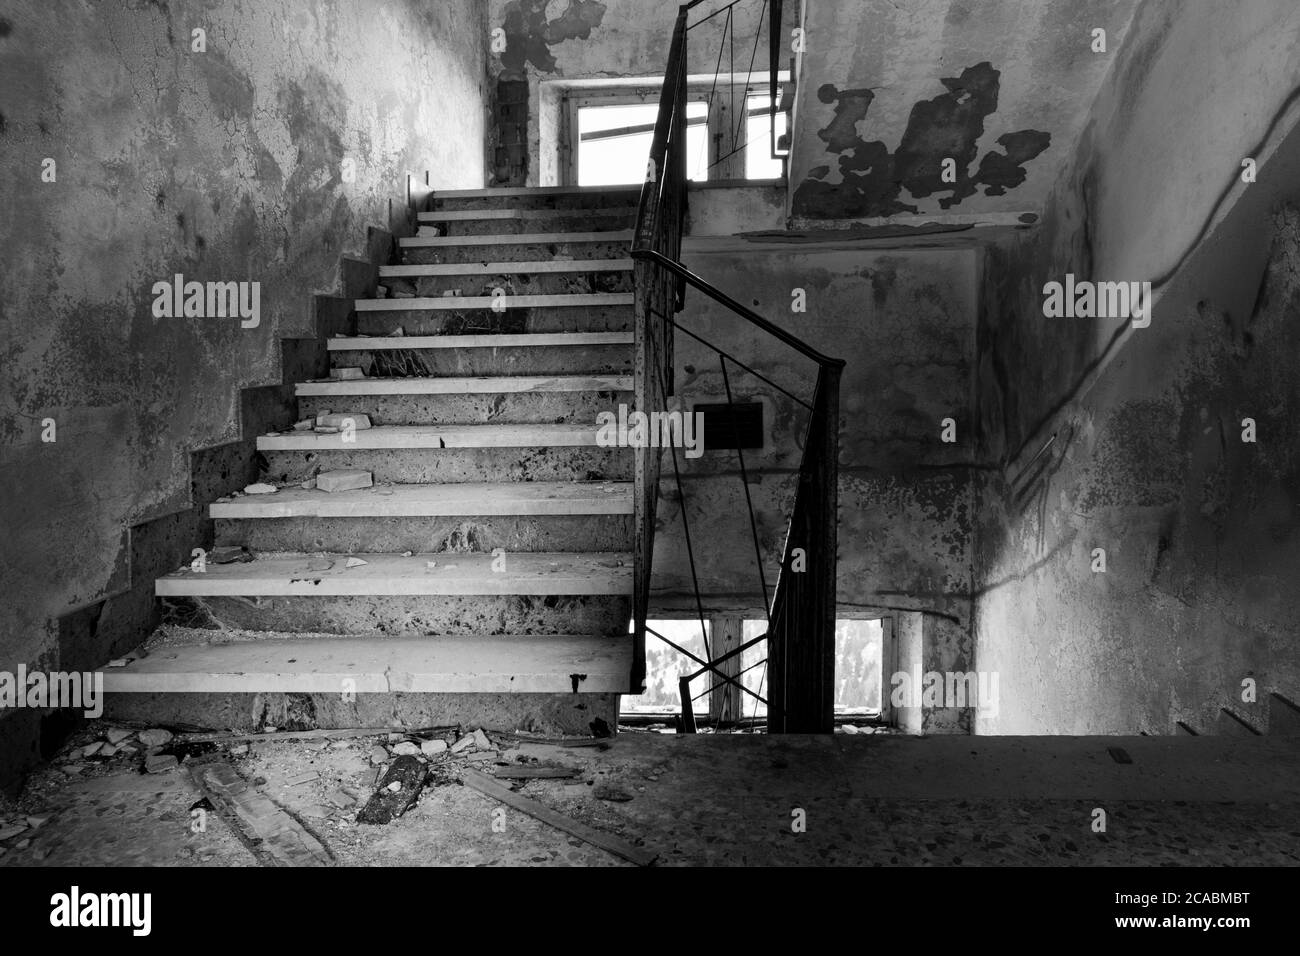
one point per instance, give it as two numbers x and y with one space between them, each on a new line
487 499
598 838
534 772
267 829
494 663
532 572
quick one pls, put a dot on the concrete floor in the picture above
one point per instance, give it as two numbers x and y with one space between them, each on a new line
868 800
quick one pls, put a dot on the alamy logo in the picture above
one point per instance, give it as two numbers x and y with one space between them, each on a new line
208 300
36 689
74 909
978 689
1098 300
629 429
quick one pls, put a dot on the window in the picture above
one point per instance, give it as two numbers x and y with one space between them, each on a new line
759 163
858 667
614 142
664 665
859 647
753 669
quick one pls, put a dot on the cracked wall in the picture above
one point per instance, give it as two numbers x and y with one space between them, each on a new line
262 159
1201 531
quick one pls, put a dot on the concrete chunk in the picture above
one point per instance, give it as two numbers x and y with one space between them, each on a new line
347 374
359 420
155 737
345 479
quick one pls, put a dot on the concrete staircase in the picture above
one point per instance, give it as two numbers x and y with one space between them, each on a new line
1275 716
496 537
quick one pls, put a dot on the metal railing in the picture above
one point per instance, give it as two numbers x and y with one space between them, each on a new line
800 611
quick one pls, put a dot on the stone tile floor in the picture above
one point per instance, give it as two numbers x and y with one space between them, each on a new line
734 800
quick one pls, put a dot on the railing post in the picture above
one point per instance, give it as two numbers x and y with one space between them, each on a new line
688 707
801 642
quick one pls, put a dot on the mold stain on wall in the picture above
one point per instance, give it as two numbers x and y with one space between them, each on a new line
530 35
949 126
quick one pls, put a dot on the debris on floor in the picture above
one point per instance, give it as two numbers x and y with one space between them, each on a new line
606 841
344 479
397 792
230 555
525 772
266 826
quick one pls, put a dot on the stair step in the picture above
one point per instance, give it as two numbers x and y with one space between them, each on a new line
441 500
467 573
436 436
526 218
1283 717
494 192
465 303
470 408
466 385
507 268
457 465
523 238
498 663
371 343
519 212
1230 724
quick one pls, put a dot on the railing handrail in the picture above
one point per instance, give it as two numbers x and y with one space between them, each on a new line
800 613
673 74
713 292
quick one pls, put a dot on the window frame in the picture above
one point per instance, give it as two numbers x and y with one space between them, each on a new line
575 100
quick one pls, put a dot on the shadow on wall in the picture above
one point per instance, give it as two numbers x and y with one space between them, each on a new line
946 128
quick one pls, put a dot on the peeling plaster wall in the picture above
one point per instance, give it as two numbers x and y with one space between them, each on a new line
905 324
1201 531
221 165
887 91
